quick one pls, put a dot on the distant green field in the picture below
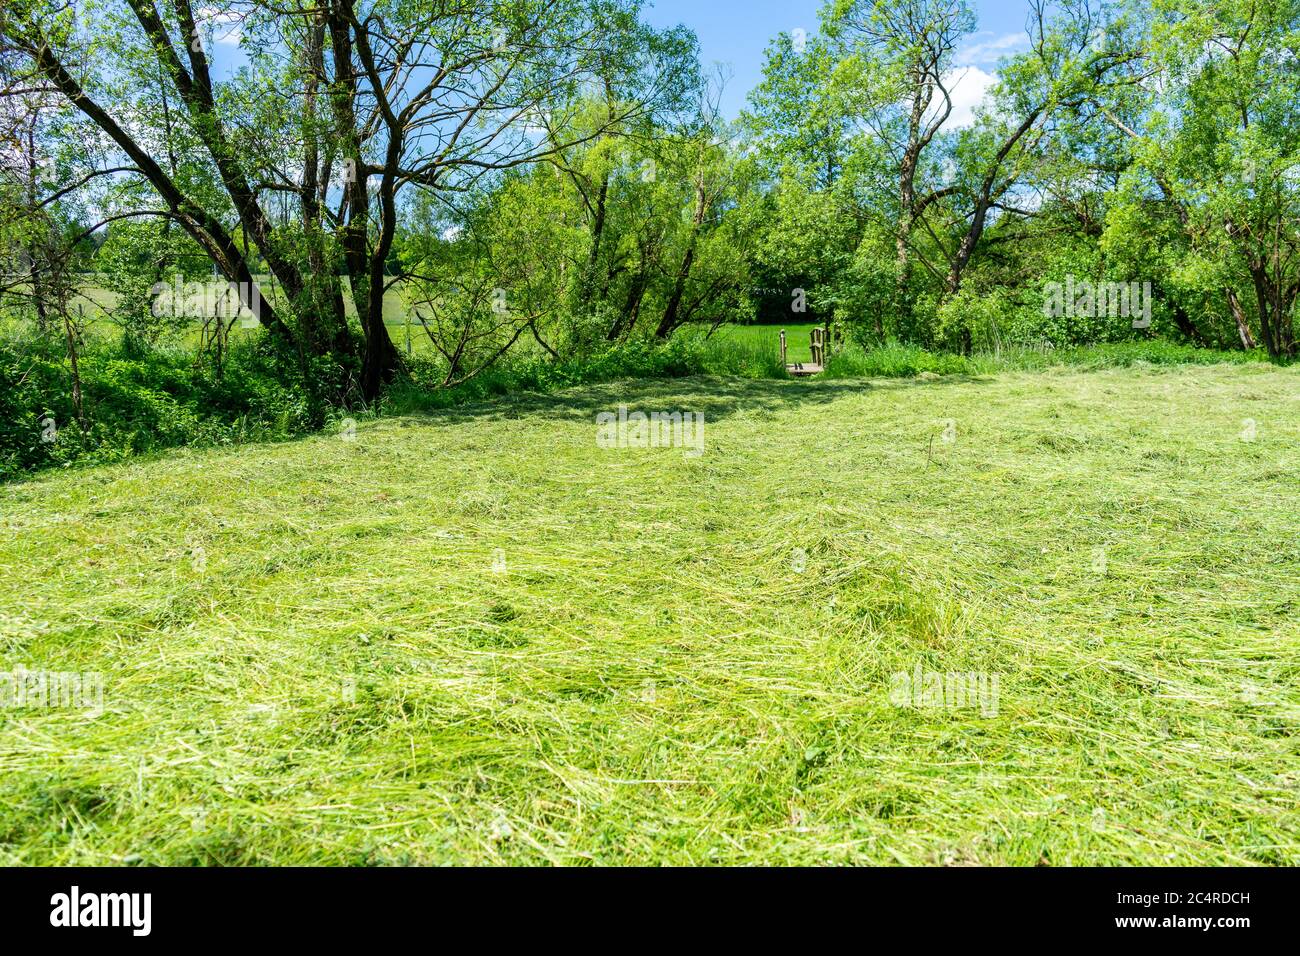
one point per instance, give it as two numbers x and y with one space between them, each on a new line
479 637
96 299
797 337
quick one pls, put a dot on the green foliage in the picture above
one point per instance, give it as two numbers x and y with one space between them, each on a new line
134 261
135 405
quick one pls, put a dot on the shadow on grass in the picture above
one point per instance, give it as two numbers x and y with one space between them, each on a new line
716 397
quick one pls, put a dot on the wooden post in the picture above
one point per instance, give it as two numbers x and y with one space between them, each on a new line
783 346
818 347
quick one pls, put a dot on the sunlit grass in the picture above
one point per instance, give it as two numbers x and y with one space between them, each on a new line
798 338
477 637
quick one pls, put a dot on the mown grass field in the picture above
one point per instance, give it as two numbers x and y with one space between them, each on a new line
477 637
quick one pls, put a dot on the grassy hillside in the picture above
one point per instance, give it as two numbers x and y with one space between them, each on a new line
475 636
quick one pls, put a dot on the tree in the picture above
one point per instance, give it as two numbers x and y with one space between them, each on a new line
897 57
1218 147
363 100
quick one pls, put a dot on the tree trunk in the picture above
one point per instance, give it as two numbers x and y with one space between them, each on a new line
906 210
586 291
381 359
201 225
326 290
1243 327
984 201
671 317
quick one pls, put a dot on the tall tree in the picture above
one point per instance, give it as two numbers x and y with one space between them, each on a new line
371 97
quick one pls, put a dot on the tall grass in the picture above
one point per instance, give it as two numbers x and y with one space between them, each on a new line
903 361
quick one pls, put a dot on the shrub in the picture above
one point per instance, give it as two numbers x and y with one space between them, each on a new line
134 405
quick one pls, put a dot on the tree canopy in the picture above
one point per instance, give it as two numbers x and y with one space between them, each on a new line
554 177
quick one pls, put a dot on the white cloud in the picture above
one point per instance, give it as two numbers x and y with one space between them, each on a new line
969 82
226 26
986 52
968 86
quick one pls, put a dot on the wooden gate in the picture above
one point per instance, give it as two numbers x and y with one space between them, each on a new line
816 363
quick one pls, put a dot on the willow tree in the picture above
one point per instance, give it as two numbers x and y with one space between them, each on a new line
300 159
897 64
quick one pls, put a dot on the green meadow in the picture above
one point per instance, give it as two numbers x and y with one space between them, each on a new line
474 636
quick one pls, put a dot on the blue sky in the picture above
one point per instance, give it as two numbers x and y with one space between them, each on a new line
735 32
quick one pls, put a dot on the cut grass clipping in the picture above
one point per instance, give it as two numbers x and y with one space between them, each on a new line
478 637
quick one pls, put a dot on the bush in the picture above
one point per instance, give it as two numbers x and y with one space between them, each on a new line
134 405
